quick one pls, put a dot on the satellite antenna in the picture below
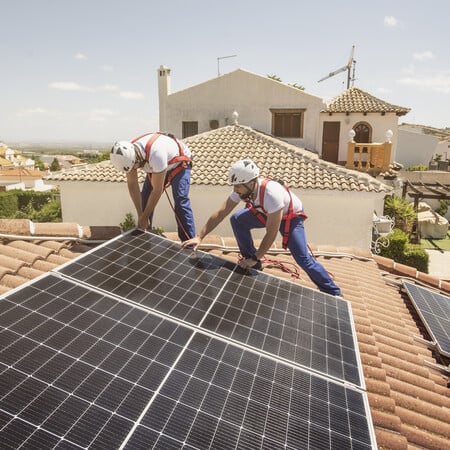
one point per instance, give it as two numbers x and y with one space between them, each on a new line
347 67
218 60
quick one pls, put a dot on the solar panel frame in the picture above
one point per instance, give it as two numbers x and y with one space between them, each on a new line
98 323
434 311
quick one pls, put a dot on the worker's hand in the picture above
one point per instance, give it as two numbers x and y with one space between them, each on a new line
143 222
246 263
193 243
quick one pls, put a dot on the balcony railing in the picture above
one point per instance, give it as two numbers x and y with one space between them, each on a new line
372 158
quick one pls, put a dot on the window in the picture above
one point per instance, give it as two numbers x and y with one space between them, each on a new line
287 123
363 133
189 129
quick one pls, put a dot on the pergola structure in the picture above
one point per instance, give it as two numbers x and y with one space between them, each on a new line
419 191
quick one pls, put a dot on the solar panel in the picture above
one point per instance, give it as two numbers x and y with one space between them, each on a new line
90 359
270 314
78 367
434 310
153 272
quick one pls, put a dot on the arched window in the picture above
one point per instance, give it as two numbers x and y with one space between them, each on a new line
363 132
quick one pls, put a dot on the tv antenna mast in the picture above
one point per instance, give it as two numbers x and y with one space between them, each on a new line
347 67
218 60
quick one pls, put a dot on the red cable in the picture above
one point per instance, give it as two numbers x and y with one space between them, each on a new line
282 265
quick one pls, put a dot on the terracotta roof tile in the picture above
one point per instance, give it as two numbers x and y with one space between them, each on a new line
57 229
214 152
31 248
24 259
356 100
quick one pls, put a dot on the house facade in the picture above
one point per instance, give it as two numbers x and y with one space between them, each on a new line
280 110
333 196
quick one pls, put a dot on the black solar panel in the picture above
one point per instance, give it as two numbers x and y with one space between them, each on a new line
434 310
247 361
153 272
270 314
78 367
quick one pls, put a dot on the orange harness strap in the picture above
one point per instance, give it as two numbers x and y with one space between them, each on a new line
181 158
262 215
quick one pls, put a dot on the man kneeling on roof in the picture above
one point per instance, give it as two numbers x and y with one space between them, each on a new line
167 161
269 204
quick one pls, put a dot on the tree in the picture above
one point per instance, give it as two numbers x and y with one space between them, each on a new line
54 166
38 163
104 156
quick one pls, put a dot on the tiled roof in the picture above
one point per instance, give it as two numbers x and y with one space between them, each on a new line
214 152
29 249
356 100
409 400
100 172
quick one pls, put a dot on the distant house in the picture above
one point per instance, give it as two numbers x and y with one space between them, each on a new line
357 115
419 145
339 202
14 158
22 178
278 109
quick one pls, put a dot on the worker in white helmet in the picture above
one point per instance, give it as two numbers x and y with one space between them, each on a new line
167 161
272 205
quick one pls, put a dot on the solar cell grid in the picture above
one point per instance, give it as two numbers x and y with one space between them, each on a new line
148 270
280 318
434 309
231 403
65 380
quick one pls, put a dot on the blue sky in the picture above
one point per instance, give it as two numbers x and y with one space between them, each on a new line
86 70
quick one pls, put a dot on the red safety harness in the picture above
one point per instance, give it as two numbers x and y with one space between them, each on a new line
261 213
181 158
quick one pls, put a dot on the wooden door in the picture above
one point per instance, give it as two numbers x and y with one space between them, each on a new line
330 141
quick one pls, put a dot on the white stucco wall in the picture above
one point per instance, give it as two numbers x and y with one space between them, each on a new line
240 91
380 124
90 203
415 148
340 219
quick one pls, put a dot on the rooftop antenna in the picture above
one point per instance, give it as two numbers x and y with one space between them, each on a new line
218 61
347 67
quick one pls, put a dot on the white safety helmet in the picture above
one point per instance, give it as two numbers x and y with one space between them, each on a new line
123 156
243 171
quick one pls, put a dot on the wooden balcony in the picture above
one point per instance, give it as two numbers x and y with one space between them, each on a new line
371 158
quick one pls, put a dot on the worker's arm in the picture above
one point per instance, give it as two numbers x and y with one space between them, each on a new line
157 181
214 220
272 227
133 189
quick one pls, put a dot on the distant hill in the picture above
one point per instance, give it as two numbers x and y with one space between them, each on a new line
55 147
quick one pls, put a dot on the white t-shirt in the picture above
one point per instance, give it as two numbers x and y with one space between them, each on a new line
163 150
275 197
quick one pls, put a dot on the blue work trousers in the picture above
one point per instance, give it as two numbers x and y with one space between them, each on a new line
243 221
183 212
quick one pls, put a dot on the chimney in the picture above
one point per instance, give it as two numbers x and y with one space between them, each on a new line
163 92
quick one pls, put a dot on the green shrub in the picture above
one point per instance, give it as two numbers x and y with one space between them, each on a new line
50 212
37 199
37 206
418 168
128 223
9 205
401 251
402 211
